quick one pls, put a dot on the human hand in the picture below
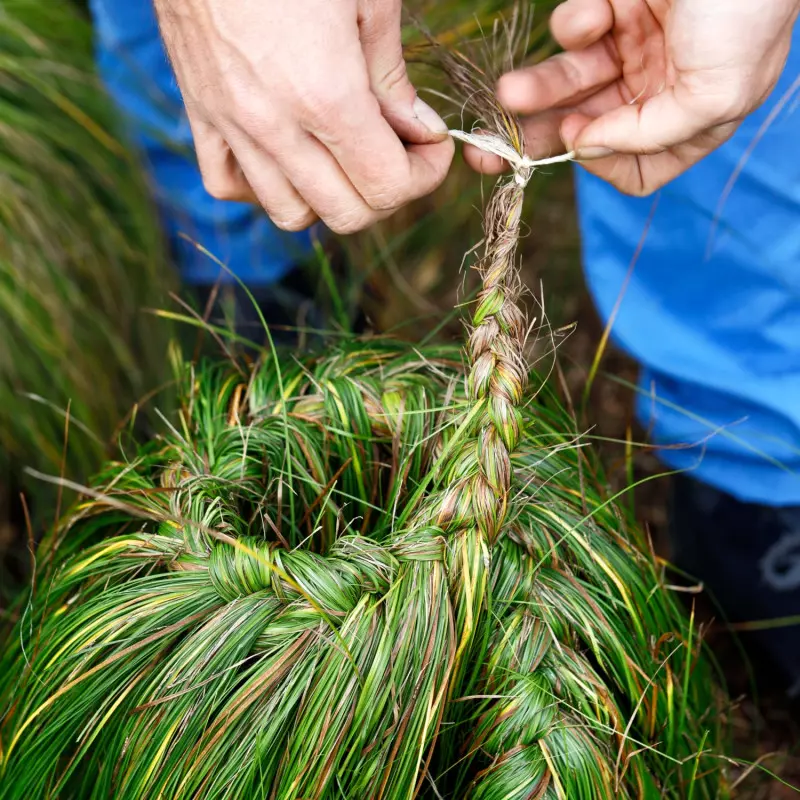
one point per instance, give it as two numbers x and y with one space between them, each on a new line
305 107
646 88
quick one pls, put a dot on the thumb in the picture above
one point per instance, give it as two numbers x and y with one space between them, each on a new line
414 121
667 120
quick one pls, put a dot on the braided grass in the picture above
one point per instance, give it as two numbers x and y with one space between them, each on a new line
286 596
373 573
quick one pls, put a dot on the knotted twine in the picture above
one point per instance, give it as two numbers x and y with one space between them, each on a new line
522 165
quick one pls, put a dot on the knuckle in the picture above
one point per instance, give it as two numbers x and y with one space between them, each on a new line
376 20
256 123
718 102
388 198
636 190
323 110
206 101
577 78
252 117
638 183
395 78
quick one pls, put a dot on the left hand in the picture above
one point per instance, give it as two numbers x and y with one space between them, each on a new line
647 88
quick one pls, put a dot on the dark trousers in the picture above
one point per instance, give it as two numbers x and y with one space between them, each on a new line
748 559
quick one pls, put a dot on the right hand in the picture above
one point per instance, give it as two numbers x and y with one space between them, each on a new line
305 107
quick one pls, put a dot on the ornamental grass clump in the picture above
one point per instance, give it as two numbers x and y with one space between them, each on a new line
80 252
379 572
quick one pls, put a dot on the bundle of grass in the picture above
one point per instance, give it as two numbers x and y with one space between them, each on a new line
380 572
80 253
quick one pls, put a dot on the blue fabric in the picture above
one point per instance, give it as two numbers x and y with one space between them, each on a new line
134 67
712 309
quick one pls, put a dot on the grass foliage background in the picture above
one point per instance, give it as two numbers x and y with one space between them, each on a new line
80 252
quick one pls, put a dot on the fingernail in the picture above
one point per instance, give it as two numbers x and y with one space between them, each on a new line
428 117
592 153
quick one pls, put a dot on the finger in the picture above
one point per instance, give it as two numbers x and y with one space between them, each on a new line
484 163
564 79
623 172
602 101
666 120
543 132
576 24
221 173
410 117
386 174
322 183
573 125
272 190
641 175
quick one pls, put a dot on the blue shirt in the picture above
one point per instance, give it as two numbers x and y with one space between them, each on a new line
134 67
712 308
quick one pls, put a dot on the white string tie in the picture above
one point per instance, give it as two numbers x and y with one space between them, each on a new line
523 166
